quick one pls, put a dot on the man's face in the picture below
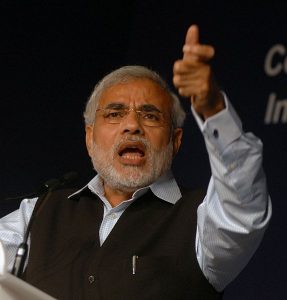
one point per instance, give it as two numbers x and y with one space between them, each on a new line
129 154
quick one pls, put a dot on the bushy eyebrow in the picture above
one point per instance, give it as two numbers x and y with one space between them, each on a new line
116 106
148 107
143 107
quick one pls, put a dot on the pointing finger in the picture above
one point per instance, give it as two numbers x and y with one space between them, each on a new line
192 35
191 39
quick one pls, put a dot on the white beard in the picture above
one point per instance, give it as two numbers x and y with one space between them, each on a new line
133 177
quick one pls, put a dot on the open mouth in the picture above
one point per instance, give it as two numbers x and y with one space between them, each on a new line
132 151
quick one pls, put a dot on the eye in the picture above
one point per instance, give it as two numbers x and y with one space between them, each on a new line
114 114
151 116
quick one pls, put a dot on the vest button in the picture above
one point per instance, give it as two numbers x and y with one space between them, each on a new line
91 279
215 133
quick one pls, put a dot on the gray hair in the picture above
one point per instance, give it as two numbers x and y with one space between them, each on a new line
124 75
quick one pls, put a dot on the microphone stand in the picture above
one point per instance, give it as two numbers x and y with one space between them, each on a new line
22 250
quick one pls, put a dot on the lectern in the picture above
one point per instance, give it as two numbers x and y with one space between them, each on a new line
13 288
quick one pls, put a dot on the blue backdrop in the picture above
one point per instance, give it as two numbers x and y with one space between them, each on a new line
52 55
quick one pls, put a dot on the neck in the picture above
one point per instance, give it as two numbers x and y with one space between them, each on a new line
115 196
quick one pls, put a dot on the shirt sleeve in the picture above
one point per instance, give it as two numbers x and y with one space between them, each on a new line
13 227
236 210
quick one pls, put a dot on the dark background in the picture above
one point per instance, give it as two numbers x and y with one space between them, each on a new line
52 53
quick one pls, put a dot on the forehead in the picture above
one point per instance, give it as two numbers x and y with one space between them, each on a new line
135 93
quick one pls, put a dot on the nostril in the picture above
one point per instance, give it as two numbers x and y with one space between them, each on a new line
136 131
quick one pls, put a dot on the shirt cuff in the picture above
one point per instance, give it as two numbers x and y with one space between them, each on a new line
221 129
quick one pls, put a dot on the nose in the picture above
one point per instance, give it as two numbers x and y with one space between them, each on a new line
131 124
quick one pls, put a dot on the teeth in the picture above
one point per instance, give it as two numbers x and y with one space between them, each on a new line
131 156
132 151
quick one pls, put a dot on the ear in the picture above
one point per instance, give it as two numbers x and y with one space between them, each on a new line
89 138
177 136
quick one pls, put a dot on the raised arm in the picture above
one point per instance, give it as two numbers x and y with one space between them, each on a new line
236 210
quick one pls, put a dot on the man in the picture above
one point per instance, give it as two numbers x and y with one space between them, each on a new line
132 232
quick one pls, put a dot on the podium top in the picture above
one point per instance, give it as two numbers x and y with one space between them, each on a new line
3 260
13 288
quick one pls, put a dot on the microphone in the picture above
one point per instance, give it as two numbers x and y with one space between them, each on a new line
46 189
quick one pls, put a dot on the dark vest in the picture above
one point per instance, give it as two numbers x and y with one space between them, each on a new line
67 261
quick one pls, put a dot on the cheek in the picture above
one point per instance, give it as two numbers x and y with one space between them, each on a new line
159 140
104 137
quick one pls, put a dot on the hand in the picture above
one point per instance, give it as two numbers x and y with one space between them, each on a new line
193 76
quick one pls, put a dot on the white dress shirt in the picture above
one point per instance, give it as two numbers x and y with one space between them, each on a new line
231 219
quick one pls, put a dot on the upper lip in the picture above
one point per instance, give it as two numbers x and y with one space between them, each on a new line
132 145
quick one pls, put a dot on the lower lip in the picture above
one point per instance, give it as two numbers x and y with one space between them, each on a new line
131 159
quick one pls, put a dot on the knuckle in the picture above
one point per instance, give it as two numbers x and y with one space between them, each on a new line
177 66
212 51
176 80
181 91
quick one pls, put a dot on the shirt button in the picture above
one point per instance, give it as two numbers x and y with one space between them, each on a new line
232 167
113 215
91 279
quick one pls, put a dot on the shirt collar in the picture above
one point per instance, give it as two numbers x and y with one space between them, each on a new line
165 188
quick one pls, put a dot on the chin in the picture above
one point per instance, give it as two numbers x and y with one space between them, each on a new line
129 180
